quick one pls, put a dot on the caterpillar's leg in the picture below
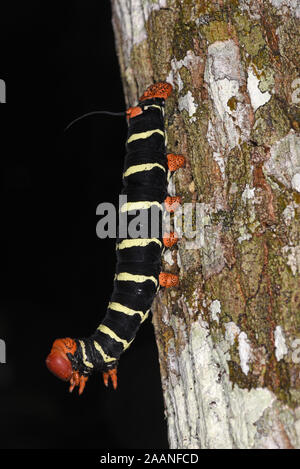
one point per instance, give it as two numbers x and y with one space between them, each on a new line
77 380
171 203
74 380
133 112
169 239
168 280
175 161
112 374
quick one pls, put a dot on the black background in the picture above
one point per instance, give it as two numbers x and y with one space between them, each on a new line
59 61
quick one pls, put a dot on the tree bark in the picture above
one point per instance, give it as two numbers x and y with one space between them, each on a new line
228 336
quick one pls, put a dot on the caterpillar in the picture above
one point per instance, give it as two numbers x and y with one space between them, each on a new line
138 277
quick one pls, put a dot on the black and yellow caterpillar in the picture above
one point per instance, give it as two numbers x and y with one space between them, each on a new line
138 275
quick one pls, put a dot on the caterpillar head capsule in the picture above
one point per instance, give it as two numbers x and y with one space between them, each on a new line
58 362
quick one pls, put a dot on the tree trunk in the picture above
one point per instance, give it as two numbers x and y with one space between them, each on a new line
228 336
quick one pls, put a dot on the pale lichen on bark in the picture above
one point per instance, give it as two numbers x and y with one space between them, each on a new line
227 337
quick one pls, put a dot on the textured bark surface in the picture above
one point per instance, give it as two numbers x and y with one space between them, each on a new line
228 337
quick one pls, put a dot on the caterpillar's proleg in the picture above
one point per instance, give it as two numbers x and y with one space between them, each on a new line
168 280
175 161
172 203
170 239
138 277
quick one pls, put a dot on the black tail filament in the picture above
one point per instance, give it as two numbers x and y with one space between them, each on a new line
123 113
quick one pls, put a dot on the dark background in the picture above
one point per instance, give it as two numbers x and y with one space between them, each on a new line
58 62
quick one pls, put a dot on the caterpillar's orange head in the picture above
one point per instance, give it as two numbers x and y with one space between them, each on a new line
157 90
58 362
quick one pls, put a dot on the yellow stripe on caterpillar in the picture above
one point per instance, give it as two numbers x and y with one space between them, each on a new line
145 205
155 106
138 242
105 357
124 309
84 357
127 277
142 167
106 330
143 135
145 315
